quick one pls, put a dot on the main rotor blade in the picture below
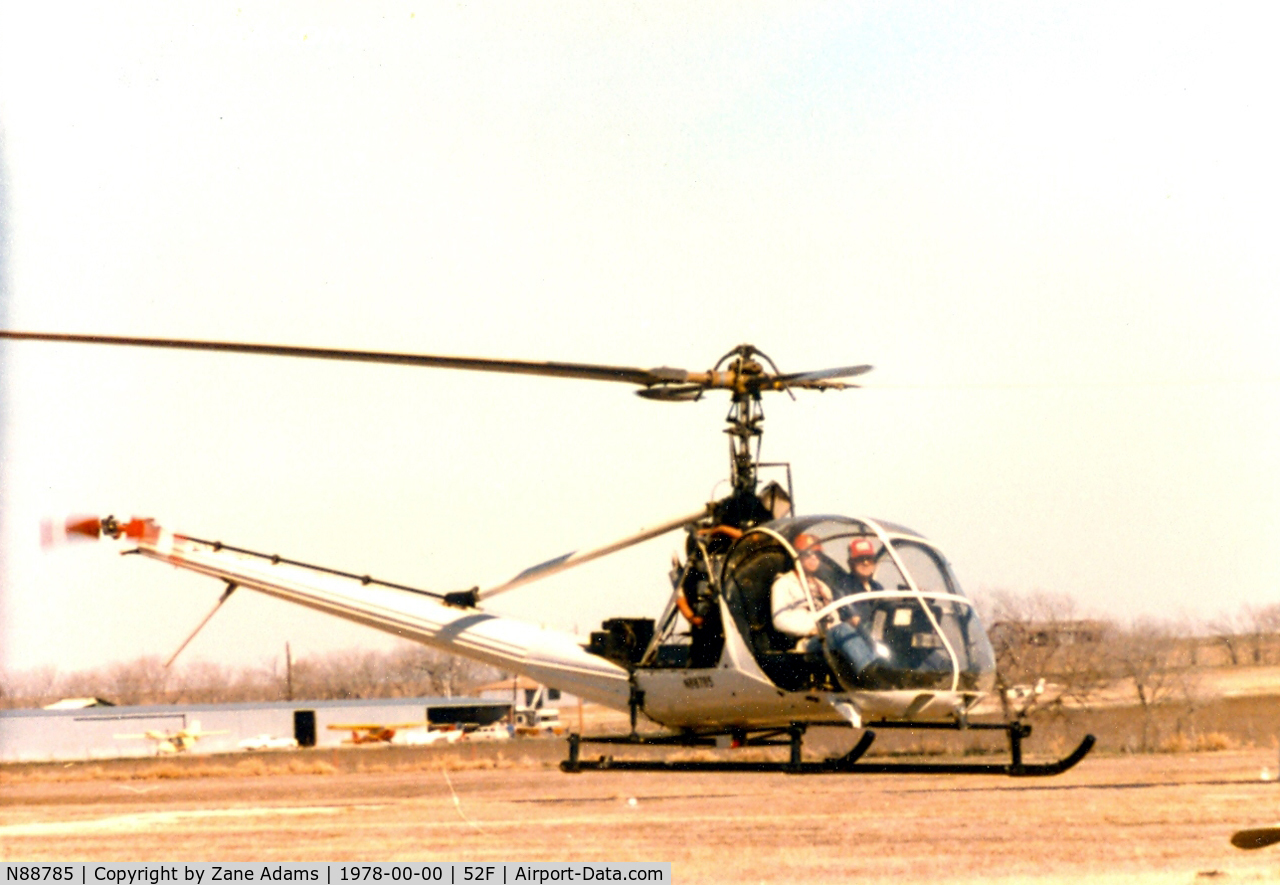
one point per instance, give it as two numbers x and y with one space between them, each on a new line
625 374
664 382
577 558
846 372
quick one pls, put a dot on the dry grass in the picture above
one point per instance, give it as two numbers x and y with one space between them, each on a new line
1212 742
372 761
460 762
61 773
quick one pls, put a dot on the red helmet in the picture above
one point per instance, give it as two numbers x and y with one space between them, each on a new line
861 548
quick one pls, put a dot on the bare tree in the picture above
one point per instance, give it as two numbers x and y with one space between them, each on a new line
1264 623
340 675
30 688
1146 655
136 682
1229 631
1041 639
209 683
409 670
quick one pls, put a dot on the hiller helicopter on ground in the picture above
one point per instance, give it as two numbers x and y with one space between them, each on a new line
891 642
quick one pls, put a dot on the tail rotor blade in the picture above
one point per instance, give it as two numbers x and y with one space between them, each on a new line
56 532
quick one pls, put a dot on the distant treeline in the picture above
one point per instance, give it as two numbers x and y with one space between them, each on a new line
1051 661
406 671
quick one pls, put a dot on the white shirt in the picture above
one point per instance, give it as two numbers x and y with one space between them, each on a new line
792 613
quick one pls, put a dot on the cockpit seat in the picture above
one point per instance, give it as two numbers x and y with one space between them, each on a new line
789 668
797 670
754 583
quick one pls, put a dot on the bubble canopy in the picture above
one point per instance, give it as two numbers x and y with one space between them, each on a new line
900 621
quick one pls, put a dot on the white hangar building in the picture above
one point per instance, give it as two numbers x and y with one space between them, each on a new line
105 732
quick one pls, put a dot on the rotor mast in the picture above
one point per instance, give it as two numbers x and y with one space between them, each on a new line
745 418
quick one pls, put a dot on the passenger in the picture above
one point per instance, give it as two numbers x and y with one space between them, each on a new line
850 652
795 605
862 566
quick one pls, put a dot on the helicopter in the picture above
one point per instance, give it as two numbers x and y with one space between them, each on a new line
891 641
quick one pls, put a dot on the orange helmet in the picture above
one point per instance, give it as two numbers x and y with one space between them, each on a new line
861 548
805 542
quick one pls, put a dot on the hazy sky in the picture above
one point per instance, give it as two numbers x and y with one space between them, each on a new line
1051 227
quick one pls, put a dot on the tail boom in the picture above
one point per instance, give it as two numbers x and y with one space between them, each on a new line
547 656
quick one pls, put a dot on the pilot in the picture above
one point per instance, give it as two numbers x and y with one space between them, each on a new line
862 566
794 605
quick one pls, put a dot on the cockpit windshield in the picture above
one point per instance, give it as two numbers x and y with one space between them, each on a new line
855 604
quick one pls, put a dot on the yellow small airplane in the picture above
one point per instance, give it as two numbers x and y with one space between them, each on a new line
172 741
373 732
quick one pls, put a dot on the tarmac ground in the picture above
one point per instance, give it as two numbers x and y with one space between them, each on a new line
1114 818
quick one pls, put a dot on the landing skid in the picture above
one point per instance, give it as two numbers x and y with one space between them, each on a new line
849 763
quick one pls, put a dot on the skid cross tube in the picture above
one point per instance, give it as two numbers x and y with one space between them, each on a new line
794 765
849 763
